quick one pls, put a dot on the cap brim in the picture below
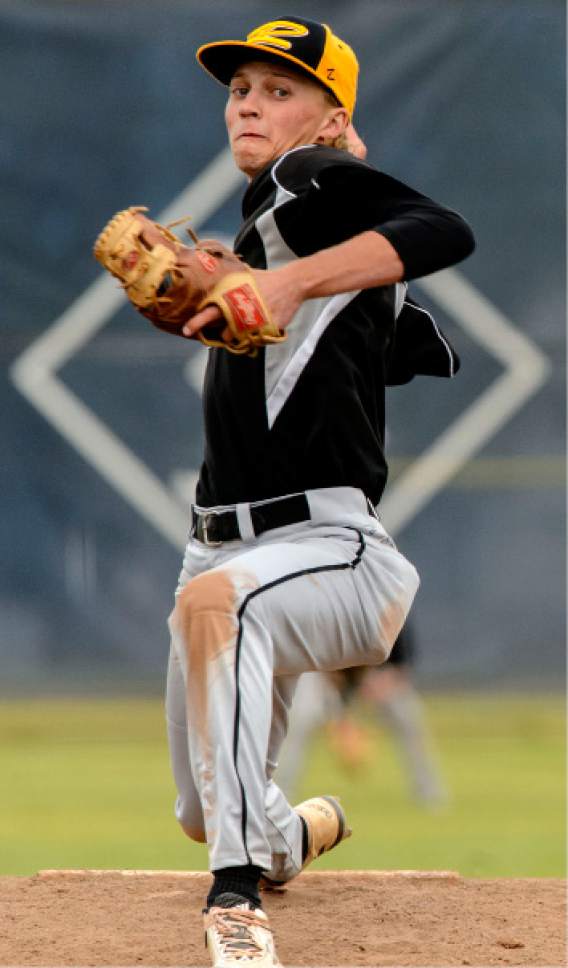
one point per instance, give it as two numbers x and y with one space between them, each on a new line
221 59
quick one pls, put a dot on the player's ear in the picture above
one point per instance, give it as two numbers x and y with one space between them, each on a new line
333 126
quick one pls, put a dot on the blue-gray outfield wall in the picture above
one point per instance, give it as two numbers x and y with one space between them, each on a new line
103 106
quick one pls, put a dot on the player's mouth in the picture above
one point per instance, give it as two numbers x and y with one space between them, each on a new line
249 134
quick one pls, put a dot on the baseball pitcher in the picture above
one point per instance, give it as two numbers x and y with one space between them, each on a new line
287 567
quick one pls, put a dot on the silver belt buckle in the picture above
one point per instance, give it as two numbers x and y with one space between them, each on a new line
205 518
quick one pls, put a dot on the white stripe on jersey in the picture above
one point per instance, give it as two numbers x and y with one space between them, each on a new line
314 329
285 362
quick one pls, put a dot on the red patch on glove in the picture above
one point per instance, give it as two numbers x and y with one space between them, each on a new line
209 262
131 260
245 307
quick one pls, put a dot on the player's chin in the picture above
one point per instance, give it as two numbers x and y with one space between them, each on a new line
251 155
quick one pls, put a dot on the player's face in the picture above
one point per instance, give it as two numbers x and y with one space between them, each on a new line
272 109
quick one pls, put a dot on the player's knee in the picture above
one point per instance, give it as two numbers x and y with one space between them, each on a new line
190 820
194 833
404 592
406 582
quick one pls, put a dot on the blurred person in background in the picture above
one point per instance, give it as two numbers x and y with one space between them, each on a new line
336 702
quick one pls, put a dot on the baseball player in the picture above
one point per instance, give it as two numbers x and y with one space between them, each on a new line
287 567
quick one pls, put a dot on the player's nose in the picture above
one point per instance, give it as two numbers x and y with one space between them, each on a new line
249 107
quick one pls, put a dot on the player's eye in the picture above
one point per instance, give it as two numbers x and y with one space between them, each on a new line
239 91
281 92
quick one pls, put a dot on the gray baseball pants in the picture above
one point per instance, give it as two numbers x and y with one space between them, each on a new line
250 616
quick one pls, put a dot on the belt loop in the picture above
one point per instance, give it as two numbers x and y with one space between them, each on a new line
245 522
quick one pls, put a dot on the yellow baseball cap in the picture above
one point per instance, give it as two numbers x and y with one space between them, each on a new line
310 46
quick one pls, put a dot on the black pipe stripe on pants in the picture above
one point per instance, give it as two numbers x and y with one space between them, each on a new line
257 591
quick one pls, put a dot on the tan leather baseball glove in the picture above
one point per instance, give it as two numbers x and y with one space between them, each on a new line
169 282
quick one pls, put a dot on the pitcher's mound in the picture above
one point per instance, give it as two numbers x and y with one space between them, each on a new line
339 918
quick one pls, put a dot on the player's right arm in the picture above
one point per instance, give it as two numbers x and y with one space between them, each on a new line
378 232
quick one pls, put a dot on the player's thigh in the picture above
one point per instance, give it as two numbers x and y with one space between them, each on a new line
329 598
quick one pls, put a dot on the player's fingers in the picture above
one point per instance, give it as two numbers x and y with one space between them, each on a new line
150 234
355 145
211 314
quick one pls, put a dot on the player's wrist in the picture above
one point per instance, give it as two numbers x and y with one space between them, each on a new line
302 277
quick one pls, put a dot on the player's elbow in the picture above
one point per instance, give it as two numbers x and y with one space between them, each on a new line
451 241
194 833
464 239
447 243
460 240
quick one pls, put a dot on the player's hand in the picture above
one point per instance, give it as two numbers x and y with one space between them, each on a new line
208 315
355 145
282 300
281 292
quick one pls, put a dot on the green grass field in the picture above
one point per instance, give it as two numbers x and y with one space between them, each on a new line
87 784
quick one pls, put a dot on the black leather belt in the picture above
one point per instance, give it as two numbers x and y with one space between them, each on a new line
213 527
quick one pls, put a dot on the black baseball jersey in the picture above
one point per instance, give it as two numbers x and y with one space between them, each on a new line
310 412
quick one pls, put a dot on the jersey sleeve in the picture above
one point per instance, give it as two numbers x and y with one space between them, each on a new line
427 236
345 196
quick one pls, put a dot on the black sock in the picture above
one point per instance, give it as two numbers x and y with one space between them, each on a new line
236 880
304 838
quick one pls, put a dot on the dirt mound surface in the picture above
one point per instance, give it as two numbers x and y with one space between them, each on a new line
342 918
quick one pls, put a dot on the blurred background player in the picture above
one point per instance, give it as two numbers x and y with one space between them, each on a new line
338 701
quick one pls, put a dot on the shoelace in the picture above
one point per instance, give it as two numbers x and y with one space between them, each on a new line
233 926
